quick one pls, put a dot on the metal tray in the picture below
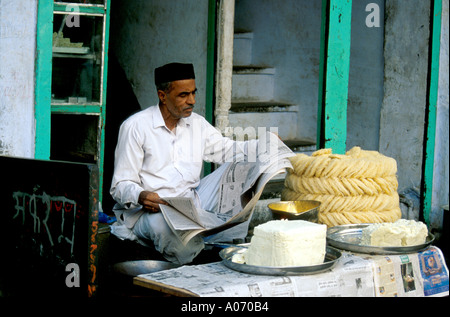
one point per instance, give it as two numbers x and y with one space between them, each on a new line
135 268
348 237
331 257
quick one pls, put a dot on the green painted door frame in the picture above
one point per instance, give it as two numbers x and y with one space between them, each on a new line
211 61
43 86
431 108
43 82
210 70
334 74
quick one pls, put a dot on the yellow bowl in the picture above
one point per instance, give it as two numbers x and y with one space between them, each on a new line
296 210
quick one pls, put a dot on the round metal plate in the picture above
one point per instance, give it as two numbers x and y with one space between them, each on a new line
331 257
348 237
135 268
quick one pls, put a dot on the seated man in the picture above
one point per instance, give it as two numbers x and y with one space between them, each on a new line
160 153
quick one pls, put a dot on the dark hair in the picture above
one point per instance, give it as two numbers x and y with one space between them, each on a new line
164 86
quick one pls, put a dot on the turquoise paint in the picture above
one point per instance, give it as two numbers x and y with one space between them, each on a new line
430 128
103 106
81 8
334 68
211 61
77 109
210 71
43 80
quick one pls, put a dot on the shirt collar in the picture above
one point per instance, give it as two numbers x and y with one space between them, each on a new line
185 122
158 120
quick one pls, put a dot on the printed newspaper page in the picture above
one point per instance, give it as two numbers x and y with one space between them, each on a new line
355 275
411 275
240 189
350 277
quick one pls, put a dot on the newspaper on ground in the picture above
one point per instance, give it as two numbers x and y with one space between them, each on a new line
240 188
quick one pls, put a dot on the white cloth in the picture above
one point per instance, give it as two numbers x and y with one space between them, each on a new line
153 227
151 157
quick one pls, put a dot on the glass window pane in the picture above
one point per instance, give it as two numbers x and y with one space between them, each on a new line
77 59
74 138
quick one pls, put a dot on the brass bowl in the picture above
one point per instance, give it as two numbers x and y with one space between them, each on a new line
296 210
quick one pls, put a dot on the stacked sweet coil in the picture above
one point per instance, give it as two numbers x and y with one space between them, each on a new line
358 187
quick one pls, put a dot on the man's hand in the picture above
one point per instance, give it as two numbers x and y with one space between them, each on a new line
150 201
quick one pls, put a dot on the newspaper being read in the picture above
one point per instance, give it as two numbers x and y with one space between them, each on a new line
240 188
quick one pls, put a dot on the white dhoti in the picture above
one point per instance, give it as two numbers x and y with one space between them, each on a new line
153 227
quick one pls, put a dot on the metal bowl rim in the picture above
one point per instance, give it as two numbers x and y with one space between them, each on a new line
285 202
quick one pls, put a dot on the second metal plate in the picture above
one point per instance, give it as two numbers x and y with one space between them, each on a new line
348 237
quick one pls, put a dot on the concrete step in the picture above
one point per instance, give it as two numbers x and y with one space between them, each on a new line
304 146
242 48
283 123
253 83
261 106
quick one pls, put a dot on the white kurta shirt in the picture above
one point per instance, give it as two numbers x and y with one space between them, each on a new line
151 157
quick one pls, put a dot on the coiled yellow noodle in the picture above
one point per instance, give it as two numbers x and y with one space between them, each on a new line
358 187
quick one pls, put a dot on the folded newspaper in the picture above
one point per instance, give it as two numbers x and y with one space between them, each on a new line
241 187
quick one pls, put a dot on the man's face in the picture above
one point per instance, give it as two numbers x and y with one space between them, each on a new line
180 99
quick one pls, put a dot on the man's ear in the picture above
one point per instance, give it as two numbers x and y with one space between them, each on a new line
162 96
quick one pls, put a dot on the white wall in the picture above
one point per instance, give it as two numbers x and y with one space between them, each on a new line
17 53
365 88
147 34
406 68
286 36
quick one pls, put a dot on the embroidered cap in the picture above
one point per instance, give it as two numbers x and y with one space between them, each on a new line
174 71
